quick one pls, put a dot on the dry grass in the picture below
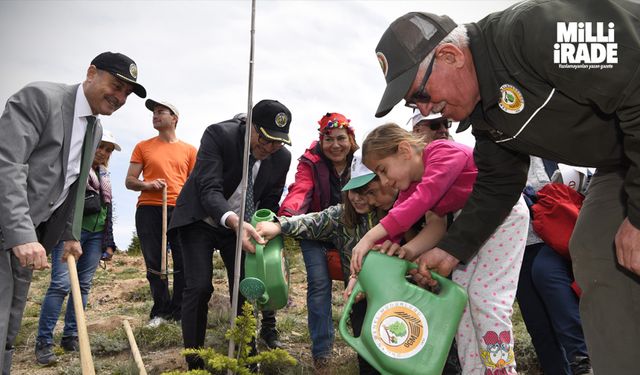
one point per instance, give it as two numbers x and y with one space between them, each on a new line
121 292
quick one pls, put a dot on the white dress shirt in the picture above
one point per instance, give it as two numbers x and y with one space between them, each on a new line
81 110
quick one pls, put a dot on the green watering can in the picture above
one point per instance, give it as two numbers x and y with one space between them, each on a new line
267 271
406 329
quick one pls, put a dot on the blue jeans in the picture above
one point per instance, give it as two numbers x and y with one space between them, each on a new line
61 285
552 276
319 316
550 309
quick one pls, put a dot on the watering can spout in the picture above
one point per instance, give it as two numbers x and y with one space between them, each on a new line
254 290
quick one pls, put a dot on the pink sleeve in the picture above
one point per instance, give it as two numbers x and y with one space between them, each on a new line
298 198
443 164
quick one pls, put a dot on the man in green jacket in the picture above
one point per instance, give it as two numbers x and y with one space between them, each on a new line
555 79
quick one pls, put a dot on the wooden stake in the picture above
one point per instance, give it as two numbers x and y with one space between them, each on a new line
83 336
134 348
163 266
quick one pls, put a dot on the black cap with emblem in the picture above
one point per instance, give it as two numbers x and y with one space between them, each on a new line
403 46
272 119
122 67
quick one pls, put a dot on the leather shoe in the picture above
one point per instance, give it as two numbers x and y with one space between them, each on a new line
321 363
70 344
581 365
269 338
44 354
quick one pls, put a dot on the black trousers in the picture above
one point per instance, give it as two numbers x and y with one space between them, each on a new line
199 241
149 229
358 312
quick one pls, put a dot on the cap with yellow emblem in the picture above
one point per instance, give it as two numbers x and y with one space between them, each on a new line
122 67
272 120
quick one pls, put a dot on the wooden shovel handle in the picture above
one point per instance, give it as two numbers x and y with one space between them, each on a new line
83 336
134 348
163 266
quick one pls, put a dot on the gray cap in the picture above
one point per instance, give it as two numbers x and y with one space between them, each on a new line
403 46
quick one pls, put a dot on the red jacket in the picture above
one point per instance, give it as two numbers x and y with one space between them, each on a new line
311 190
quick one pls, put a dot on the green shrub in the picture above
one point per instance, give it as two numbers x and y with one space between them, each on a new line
134 248
242 334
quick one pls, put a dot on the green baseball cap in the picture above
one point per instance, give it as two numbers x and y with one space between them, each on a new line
360 174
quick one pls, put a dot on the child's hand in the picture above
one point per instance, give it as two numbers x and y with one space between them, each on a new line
394 249
349 289
268 229
357 254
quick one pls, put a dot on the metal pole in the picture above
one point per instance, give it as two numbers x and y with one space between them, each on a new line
245 173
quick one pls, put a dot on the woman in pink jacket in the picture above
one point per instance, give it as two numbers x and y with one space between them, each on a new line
322 172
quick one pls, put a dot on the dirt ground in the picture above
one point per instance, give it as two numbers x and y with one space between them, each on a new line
121 292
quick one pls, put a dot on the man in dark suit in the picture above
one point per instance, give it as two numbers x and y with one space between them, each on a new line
45 131
206 213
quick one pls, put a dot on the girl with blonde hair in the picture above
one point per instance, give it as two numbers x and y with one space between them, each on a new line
439 177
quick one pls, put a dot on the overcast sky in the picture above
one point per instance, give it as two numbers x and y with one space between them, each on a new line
313 56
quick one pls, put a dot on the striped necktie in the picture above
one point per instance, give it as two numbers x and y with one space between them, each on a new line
249 206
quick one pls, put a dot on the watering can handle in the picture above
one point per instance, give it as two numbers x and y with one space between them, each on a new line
355 342
260 262
436 276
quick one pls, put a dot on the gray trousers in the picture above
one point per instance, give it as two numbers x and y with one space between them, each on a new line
14 287
610 301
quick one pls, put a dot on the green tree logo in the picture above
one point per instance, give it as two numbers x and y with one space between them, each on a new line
395 331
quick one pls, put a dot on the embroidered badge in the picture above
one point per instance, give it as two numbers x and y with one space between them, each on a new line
281 119
133 70
382 59
511 99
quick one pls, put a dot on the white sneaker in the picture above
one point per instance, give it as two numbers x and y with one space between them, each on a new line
156 322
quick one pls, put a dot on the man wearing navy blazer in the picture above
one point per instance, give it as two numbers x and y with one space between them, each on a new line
206 213
42 132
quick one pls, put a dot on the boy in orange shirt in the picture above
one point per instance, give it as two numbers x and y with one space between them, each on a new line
163 160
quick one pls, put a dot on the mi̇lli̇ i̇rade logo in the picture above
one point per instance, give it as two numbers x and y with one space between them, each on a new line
585 45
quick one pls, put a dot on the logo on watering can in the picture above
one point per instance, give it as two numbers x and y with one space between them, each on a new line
399 329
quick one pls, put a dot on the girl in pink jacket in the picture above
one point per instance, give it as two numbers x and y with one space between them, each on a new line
439 177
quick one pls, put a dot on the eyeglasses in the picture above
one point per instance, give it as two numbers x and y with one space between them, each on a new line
421 96
264 141
436 124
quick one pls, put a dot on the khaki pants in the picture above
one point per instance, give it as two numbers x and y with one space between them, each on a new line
610 302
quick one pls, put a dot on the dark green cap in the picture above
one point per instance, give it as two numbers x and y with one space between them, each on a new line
403 46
